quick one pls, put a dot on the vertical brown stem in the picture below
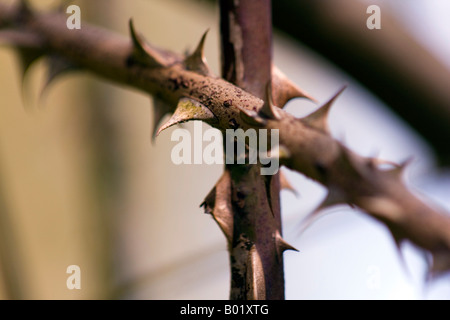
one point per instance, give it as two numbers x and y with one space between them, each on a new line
256 263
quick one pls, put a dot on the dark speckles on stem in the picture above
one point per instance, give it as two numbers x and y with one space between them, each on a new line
179 82
241 195
233 124
228 103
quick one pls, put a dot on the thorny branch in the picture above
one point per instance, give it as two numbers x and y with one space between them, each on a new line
306 144
389 62
256 261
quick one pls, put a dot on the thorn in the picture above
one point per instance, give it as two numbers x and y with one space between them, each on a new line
218 204
375 162
401 256
27 58
399 169
286 185
332 199
160 109
252 118
281 245
197 61
269 109
283 89
319 118
210 201
142 52
268 180
188 109
57 66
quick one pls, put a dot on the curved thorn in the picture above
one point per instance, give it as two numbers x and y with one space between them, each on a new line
286 185
218 204
197 61
269 110
57 66
284 90
252 118
319 118
160 109
399 169
188 109
281 245
141 52
334 198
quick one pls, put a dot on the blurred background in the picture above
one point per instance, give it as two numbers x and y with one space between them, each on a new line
82 184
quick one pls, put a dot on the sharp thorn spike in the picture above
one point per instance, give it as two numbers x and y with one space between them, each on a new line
252 118
57 66
218 204
284 90
399 169
281 245
334 198
197 61
268 184
160 110
269 110
319 118
27 58
189 109
142 53
377 162
398 246
286 185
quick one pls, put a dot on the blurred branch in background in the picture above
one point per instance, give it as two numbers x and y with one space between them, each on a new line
389 61
11 277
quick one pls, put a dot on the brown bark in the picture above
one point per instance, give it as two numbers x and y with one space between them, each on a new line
256 269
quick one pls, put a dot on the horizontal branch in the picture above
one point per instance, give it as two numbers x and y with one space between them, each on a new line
306 144
389 62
